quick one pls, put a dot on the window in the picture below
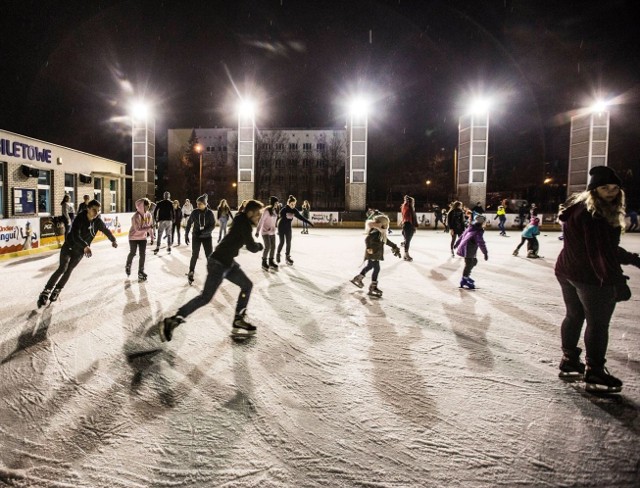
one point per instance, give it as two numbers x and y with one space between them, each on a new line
224 148
306 146
293 163
321 146
293 146
113 189
70 187
321 163
97 189
209 149
44 191
278 163
280 146
306 163
319 179
266 147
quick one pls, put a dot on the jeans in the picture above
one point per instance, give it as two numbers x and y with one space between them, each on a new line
532 244
284 235
196 243
164 226
68 261
142 247
407 232
375 266
216 273
469 264
305 226
223 227
501 226
595 304
175 228
269 246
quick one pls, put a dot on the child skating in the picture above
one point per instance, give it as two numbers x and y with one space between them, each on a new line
267 229
467 246
221 266
374 253
141 224
529 235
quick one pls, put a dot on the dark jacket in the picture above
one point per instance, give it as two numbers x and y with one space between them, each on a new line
203 222
224 213
591 251
83 231
177 215
372 241
238 236
286 218
164 211
455 220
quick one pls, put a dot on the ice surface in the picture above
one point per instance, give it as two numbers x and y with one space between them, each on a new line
428 386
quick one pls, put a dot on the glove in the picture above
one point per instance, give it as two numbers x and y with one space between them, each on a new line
114 244
186 240
486 257
623 292
396 252
260 247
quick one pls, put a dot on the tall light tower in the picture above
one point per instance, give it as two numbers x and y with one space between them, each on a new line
473 151
356 174
143 151
588 146
246 151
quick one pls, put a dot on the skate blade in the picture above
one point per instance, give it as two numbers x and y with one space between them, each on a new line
602 389
571 377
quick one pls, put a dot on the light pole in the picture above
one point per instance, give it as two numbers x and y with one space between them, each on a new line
356 184
246 150
143 164
198 148
472 157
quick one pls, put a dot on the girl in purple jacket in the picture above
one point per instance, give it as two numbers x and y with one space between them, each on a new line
467 246
141 224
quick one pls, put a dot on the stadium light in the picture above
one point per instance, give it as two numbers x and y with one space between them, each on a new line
359 107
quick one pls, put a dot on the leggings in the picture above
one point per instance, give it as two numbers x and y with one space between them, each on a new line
375 266
454 236
142 247
469 264
269 246
68 261
284 235
407 232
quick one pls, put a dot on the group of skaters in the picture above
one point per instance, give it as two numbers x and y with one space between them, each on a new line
588 268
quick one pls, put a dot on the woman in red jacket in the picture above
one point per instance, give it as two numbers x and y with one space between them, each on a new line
409 224
588 270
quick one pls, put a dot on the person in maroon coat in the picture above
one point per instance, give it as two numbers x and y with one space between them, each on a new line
590 276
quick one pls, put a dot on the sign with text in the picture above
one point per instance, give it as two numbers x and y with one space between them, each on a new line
19 235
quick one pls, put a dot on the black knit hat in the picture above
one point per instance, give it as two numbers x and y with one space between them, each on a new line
203 198
603 175
273 201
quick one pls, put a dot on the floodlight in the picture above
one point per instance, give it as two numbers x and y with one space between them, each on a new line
140 110
480 106
246 108
599 106
359 107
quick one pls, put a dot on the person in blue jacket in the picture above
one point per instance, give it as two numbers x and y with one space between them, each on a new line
529 235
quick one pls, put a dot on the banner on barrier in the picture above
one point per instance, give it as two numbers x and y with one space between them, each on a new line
19 234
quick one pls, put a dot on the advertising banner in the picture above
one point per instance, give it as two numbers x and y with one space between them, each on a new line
19 234
117 223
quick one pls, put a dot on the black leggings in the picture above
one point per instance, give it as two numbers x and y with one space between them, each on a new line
68 261
140 246
469 264
407 232
454 236
284 235
196 243
375 266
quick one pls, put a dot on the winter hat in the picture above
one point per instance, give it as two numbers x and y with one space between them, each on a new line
603 175
166 195
273 201
479 219
203 198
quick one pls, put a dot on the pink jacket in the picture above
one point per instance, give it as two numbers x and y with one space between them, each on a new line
141 223
267 224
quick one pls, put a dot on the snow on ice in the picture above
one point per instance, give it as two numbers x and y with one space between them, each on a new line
429 386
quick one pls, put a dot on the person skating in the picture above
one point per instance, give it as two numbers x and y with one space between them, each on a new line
589 272
141 224
203 221
177 221
267 229
224 214
306 213
374 253
83 205
530 236
501 215
467 246
221 266
76 245
437 217
455 221
409 224
67 213
187 208
288 212
164 216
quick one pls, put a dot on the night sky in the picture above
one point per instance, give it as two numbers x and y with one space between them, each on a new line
71 68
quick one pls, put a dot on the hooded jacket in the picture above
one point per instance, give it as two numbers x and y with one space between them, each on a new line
141 223
83 231
238 236
530 231
375 241
468 243
591 251
455 220
267 224
203 221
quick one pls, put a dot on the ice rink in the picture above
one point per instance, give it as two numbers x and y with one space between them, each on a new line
429 386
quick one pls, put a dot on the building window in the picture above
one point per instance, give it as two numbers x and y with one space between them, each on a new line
113 189
321 163
293 146
306 146
280 146
97 189
278 163
44 191
319 179
266 147
224 148
321 146
306 163
293 163
70 187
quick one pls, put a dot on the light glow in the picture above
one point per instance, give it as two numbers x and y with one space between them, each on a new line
140 111
480 106
246 108
359 107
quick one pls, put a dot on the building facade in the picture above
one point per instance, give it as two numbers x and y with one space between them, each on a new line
35 175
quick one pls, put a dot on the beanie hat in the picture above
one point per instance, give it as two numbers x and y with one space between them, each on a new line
479 219
203 198
603 175
166 195
273 200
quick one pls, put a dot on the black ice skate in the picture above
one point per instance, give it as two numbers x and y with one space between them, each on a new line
43 298
142 276
169 251
127 269
288 260
273 265
357 280
265 265
190 277
532 255
55 294
167 326
374 291
570 365
598 380
242 328
407 257
278 258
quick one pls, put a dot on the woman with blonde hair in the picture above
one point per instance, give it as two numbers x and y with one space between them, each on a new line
306 213
590 276
224 214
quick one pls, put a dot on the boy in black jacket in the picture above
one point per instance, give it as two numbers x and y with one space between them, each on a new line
203 222
220 266
76 245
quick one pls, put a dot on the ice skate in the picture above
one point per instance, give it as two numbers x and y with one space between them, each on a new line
598 380
407 257
532 255
278 258
465 282
167 325
241 328
265 265
515 253
570 366
127 269
374 291
142 276
55 294
43 298
357 280
273 265
190 277
169 251
156 251
288 260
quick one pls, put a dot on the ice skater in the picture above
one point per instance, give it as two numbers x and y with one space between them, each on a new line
67 213
267 229
141 224
221 266
409 224
203 221
306 213
590 276
501 216
374 253
529 235
467 246
224 214
455 221
164 216
77 244
177 221
288 212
